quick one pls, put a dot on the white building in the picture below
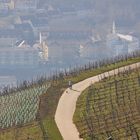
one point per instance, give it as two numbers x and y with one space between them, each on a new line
13 56
93 51
121 43
42 48
26 4
7 4
9 41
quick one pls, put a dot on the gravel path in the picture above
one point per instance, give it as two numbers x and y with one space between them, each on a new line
67 104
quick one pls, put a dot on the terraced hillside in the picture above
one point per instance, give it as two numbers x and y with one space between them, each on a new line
19 113
110 109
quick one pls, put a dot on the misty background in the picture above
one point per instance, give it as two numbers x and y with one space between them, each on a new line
40 37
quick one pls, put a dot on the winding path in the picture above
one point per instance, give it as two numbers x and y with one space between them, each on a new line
67 103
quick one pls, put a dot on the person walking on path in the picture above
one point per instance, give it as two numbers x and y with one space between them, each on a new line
67 103
70 84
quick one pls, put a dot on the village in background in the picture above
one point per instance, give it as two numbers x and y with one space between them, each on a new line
39 37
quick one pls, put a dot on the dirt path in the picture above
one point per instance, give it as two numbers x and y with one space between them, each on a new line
67 104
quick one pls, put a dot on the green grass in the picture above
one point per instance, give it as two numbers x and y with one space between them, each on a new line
51 98
50 126
27 132
49 101
90 73
102 111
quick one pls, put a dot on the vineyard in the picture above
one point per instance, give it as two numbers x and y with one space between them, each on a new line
110 109
27 112
21 107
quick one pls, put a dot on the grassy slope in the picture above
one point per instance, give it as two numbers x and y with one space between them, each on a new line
49 103
29 131
51 98
120 105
